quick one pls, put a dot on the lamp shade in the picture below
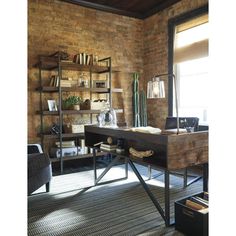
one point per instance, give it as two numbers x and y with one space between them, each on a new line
156 88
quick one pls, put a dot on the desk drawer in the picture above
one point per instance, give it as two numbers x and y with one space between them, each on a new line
187 150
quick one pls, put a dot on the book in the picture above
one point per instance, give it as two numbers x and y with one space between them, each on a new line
84 58
74 58
88 60
51 84
80 59
106 145
66 144
194 205
56 81
91 60
108 149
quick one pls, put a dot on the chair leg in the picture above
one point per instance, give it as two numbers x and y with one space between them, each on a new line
48 187
149 172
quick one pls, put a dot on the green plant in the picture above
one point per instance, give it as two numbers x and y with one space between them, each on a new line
70 101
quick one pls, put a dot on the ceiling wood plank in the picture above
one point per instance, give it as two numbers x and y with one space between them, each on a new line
161 6
105 8
133 8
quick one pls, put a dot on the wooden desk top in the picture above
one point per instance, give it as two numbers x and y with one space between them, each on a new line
170 151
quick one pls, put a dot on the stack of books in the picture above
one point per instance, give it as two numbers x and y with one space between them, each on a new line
66 144
197 203
108 147
68 82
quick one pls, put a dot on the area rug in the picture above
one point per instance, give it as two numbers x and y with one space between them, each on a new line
120 208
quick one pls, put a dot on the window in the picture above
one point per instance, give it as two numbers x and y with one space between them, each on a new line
191 68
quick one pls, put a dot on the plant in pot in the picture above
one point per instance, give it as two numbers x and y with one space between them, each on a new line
72 103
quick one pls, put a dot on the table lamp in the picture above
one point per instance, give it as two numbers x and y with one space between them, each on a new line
156 89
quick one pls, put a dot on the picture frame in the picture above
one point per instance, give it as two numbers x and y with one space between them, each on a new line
52 106
99 84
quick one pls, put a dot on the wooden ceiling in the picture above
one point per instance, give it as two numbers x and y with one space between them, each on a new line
133 8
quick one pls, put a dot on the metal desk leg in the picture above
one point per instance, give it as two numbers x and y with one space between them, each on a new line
112 163
94 166
148 191
205 177
167 198
126 167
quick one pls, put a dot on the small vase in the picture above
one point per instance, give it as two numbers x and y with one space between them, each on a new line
76 107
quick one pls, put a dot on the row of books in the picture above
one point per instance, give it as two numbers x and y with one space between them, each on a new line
85 59
65 82
197 203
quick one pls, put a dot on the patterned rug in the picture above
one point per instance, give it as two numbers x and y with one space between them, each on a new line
118 208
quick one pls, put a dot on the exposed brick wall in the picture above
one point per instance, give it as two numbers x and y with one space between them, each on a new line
55 25
156 54
133 44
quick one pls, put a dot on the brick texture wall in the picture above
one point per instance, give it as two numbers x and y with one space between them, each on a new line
55 25
134 45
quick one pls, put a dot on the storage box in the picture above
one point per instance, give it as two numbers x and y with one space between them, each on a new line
73 128
98 105
77 129
66 152
189 221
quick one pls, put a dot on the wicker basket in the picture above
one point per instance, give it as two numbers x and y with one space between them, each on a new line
86 105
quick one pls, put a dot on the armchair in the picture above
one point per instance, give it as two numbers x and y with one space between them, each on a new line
39 169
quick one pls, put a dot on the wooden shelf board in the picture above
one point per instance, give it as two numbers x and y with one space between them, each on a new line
64 135
73 89
89 155
52 63
70 112
81 111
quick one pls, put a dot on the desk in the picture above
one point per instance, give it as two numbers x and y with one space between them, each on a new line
171 152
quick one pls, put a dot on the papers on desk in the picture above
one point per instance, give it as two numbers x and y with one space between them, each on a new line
147 129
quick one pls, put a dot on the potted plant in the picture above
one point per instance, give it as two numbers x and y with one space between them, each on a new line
72 102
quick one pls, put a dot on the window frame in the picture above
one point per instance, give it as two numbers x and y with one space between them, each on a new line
172 23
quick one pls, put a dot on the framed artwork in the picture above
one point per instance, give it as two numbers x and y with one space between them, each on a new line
52 106
99 84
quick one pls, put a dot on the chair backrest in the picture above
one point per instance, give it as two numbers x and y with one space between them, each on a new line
34 148
171 122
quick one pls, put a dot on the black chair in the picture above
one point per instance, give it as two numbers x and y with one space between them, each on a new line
184 122
39 169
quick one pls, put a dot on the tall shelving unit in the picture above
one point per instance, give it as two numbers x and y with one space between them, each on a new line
54 63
